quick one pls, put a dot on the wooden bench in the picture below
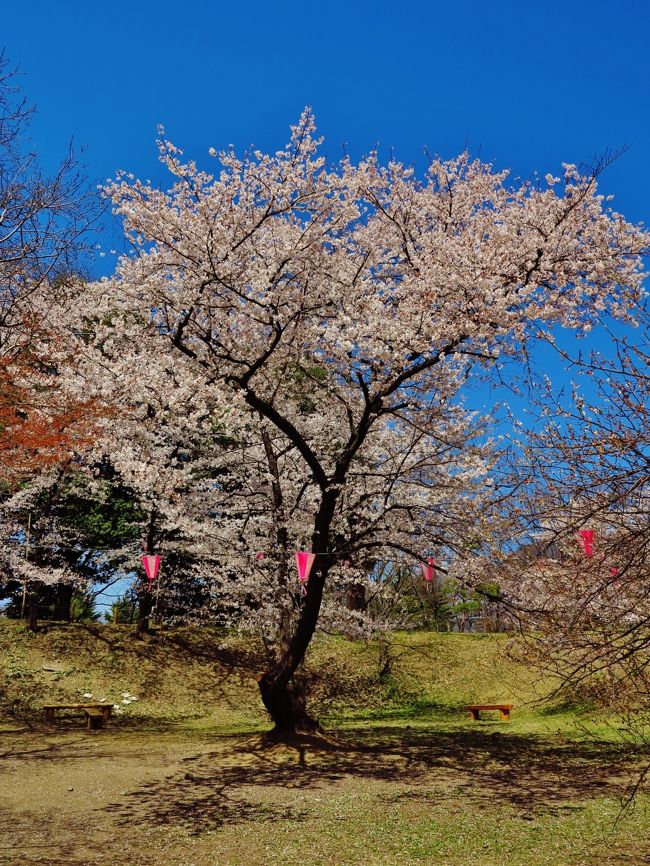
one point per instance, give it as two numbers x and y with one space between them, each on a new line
94 718
474 710
96 713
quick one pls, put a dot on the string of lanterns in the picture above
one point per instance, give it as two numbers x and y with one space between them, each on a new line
305 561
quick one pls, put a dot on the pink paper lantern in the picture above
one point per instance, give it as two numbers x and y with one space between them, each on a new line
304 561
586 537
428 568
151 564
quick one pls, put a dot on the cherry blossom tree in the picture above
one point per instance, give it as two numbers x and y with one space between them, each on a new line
322 321
581 577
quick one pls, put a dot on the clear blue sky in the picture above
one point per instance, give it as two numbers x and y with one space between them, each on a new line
528 85
525 85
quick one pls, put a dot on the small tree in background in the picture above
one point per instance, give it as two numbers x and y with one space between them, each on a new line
586 467
124 610
43 223
81 533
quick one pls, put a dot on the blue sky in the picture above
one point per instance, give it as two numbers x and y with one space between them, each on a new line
526 85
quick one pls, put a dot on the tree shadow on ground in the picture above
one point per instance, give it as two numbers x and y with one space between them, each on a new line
37 839
530 774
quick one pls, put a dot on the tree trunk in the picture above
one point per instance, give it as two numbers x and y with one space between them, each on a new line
145 606
282 690
63 602
145 593
287 704
32 612
357 597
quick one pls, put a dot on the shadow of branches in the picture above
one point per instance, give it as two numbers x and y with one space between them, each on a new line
528 773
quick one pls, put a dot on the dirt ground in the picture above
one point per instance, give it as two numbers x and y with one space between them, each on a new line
61 788
131 795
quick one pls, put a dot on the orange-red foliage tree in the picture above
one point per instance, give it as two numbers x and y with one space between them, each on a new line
39 425
43 223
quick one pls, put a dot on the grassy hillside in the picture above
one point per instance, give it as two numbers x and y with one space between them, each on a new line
208 676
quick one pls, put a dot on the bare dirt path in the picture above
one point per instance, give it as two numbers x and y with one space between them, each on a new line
57 789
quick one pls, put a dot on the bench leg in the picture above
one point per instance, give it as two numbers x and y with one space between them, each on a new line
473 714
95 722
505 715
49 715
